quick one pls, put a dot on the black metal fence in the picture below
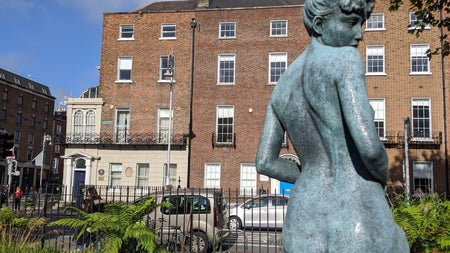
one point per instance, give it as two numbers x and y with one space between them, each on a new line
196 220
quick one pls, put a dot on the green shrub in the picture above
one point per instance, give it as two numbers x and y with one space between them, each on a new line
425 220
19 233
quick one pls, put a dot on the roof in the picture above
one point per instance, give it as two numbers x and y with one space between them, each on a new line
26 83
214 4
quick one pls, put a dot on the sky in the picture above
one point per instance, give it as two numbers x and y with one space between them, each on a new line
57 42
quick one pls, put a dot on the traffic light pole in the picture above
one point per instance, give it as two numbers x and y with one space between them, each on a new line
10 164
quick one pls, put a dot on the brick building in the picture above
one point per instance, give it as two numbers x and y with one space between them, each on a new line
257 40
226 66
27 112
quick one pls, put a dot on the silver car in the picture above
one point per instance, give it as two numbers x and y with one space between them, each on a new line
265 211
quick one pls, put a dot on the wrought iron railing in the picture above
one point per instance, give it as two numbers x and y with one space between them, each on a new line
433 141
125 138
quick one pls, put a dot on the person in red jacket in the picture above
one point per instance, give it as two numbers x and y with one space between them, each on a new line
17 197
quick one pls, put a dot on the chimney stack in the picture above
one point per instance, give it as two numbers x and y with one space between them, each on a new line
203 4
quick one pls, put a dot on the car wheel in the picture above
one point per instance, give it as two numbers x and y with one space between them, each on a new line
200 243
234 223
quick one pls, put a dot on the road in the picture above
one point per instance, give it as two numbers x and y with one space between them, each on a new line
253 241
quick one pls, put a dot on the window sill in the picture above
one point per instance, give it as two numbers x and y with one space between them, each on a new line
125 39
376 74
375 30
162 81
225 84
124 81
227 38
168 38
278 36
420 73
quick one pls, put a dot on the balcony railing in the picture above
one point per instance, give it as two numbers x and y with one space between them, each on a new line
123 139
433 141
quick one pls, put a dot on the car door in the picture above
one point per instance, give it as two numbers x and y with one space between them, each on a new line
256 212
278 211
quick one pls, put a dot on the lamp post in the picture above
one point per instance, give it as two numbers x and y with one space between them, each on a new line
169 75
191 92
46 140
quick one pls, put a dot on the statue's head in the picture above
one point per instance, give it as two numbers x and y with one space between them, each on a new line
323 9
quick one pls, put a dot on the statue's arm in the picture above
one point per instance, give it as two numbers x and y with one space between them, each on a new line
268 161
359 116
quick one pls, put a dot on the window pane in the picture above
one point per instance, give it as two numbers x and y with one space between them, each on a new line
248 179
225 118
168 31
423 177
278 28
212 176
122 128
127 31
278 64
419 58
421 121
375 22
226 68
227 30
125 66
378 106
375 59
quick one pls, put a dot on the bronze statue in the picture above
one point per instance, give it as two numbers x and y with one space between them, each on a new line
337 204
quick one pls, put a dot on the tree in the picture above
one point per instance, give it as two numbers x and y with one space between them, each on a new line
429 13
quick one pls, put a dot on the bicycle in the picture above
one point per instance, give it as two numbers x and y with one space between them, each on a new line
174 239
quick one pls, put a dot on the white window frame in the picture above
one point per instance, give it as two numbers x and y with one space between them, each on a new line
379 108
418 124
415 23
227 30
279 59
122 125
124 65
163 125
212 175
277 29
142 174
115 174
224 111
83 125
172 174
164 66
418 53
248 179
422 170
168 34
375 22
378 52
223 72
126 32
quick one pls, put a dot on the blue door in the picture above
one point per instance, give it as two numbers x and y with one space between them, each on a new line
78 187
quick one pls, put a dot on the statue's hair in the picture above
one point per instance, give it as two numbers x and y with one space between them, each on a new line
323 8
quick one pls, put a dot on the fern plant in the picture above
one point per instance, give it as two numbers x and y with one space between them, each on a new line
426 222
119 229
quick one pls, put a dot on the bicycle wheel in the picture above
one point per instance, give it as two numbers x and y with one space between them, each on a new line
184 243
